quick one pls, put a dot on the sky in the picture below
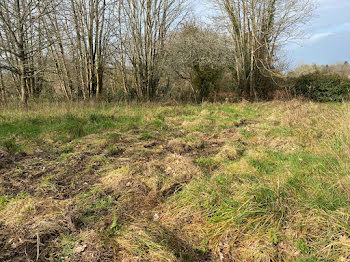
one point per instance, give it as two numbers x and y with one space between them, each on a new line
328 35
328 38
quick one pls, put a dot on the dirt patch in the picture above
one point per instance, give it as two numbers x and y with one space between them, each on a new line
45 175
5 158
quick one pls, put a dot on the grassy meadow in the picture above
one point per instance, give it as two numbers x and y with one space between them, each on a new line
213 182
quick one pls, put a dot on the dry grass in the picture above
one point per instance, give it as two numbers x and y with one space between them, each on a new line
240 182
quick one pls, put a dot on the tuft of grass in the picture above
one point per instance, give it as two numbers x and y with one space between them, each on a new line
145 136
93 205
206 162
11 145
3 201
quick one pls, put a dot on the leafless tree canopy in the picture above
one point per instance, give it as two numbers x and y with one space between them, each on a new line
82 49
22 43
257 29
144 26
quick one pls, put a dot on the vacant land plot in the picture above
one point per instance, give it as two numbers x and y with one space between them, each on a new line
233 182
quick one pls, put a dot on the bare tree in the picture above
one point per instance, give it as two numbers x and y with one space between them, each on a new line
258 28
93 25
22 43
53 26
144 27
72 44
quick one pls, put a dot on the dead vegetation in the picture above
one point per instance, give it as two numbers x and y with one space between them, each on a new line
244 182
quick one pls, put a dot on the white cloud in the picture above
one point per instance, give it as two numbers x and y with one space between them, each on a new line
318 36
334 30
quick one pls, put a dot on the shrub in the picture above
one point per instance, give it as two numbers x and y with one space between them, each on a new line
206 82
323 88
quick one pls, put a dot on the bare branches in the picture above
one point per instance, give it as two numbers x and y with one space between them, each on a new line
258 28
71 45
146 24
22 42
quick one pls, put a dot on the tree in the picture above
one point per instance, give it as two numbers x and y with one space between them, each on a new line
70 45
198 56
91 31
22 43
258 28
144 27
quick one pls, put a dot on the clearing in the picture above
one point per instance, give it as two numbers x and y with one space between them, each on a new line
233 182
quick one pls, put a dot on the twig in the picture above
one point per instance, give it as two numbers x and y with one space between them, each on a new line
37 246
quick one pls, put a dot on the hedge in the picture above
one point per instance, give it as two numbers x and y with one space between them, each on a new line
323 88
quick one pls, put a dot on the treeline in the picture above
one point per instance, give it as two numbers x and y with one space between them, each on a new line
342 69
144 50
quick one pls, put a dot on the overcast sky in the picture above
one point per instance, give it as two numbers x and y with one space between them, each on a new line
328 34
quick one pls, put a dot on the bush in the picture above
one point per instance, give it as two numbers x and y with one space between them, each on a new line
195 63
323 88
206 82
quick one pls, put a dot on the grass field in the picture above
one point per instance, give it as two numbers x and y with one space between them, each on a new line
232 182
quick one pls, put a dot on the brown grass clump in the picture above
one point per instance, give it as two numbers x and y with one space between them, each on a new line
168 176
28 213
240 167
113 179
92 248
227 152
143 241
180 168
178 146
150 241
33 225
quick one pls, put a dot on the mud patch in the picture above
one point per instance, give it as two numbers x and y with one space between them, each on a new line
45 176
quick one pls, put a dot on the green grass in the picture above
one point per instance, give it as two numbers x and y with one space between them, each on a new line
3 201
11 145
283 195
93 205
68 126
